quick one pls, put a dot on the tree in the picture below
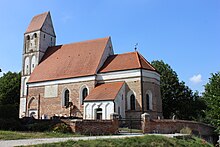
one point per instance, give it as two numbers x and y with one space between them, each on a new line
10 88
177 98
9 95
212 98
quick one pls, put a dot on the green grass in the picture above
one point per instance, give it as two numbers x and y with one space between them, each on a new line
146 141
12 135
131 130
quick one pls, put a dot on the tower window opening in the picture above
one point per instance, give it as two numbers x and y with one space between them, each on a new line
28 37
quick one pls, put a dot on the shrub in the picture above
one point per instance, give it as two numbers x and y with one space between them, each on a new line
11 124
9 111
40 126
186 130
61 128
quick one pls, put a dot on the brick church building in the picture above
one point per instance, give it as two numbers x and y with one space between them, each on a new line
83 79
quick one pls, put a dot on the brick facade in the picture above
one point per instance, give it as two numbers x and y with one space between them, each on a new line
51 106
152 86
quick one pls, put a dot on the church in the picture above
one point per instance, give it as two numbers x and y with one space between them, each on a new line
84 79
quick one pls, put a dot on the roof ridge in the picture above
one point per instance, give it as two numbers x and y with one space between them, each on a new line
126 53
99 66
139 62
146 61
91 40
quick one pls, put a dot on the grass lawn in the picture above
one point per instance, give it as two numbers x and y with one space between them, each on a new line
146 141
12 135
130 130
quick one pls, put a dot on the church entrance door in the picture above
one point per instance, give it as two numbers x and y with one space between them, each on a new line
99 113
33 113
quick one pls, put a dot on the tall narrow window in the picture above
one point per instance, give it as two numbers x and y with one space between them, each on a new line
27 43
35 35
84 94
132 102
66 98
33 60
26 65
99 113
147 101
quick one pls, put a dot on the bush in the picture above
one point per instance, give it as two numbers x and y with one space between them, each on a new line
61 128
11 124
9 111
186 130
40 126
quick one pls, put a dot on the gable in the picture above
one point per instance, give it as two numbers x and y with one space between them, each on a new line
70 60
48 25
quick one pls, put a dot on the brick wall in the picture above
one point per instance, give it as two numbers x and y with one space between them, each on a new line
51 106
166 126
93 127
154 87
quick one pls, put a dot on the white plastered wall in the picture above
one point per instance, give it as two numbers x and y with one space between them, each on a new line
120 102
108 107
22 106
90 109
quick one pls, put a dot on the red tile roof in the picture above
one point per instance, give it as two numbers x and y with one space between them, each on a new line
70 60
104 92
37 22
126 61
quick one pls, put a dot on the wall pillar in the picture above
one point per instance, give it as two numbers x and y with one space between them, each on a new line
115 122
145 123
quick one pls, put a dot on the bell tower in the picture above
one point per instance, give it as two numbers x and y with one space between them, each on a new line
38 37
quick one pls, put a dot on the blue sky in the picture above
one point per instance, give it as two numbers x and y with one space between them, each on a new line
184 33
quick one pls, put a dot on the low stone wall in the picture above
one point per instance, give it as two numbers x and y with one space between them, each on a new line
169 126
93 127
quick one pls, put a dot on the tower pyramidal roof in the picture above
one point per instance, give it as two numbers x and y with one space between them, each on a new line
37 22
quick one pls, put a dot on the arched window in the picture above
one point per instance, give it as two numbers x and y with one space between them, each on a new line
35 35
66 98
33 62
27 43
132 102
26 65
84 93
147 102
28 37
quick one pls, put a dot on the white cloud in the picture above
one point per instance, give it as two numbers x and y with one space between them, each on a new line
196 79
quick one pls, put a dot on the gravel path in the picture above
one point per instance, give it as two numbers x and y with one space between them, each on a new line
24 142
